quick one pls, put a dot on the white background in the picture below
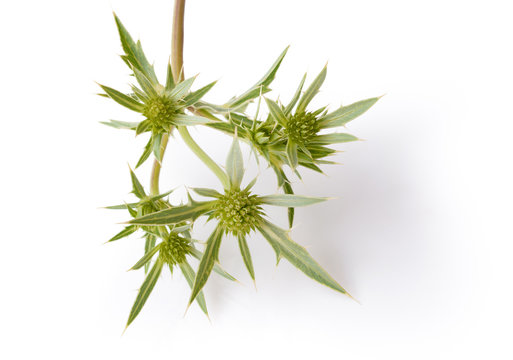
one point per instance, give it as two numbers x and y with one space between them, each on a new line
419 232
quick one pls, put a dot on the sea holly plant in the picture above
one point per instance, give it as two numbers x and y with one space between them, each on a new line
285 138
238 212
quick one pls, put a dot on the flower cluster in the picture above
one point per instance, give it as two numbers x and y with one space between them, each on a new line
289 135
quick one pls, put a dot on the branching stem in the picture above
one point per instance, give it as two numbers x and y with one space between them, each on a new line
202 155
177 67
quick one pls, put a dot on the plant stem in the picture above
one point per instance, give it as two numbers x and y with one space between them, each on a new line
177 67
207 160
155 171
177 41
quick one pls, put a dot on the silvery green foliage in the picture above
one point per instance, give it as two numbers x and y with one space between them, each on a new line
290 135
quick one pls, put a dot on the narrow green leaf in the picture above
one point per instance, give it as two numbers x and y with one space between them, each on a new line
207 114
189 275
149 244
146 258
170 82
251 184
235 164
134 52
174 215
241 121
271 73
181 229
263 83
189 120
276 113
287 187
124 233
292 153
297 255
138 94
320 151
133 213
276 166
137 188
333 139
145 291
195 96
288 200
160 196
305 151
209 258
119 207
344 114
155 231
326 162
182 88
146 85
226 128
241 102
218 109
126 60
143 126
311 166
217 268
146 153
207 192
123 99
246 255
312 90
295 98
157 147
120 124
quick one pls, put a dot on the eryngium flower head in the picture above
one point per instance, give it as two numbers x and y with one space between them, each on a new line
160 111
302 127
174 249
238 212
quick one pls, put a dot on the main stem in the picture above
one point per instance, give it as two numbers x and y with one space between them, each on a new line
177 67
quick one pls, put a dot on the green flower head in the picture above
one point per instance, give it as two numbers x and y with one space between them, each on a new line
238 212
174 248
300 128
160 111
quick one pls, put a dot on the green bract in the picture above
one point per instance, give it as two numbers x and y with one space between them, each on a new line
289 135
